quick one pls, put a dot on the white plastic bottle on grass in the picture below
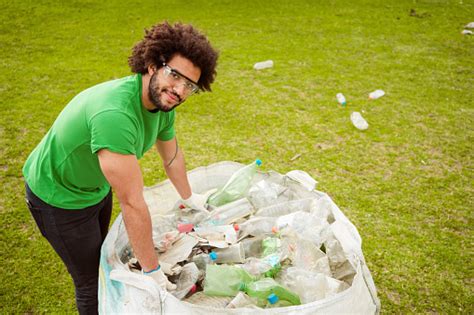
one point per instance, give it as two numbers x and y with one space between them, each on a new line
358 121
341 99
263 65
376 94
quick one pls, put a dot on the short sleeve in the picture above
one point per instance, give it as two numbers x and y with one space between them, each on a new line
167 132
113 130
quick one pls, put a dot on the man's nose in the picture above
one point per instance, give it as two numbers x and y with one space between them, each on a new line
180 90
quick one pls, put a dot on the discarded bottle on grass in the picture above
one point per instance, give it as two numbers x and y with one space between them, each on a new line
341 99
236 186
266 286
376 94
225 280
358 121
263 65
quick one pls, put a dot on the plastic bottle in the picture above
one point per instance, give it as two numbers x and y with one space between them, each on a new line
231 254
263 65
341 99
266 286
230 212
253 246
236 186
202 260
376 94
257 226
358 121
270 250
274 301
225 280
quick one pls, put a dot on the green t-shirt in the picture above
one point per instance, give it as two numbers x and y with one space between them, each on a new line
64 171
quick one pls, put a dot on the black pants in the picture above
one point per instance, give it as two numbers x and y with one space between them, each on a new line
76 236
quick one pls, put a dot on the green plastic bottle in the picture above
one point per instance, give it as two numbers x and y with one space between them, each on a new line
263 288
274 301
225 280
236 186
270 253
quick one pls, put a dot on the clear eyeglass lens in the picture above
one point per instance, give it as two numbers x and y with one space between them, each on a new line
190 87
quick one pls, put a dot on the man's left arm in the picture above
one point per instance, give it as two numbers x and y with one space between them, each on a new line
174 165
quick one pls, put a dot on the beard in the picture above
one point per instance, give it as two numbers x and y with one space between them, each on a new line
154 92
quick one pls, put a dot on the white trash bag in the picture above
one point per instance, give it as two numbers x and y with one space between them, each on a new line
123 291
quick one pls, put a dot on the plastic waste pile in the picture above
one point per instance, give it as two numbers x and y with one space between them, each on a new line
262 244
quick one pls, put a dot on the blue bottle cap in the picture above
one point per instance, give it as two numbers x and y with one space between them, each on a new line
273 298
258 162
213 256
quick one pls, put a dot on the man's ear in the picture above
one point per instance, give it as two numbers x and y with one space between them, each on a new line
151 69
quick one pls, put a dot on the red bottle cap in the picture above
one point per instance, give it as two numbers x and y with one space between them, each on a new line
181 206
236 227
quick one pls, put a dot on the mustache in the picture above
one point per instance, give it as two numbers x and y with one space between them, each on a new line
175 94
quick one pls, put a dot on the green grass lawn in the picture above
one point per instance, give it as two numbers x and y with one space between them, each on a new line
406 182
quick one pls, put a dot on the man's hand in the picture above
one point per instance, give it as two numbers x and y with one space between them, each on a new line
161 279
198 201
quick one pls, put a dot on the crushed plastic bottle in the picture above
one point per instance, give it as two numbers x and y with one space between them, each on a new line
358 121
253 246
341 99
257 226
274 301
243 300
225 280
230 212
202 260
311 286
266 286
236 186
263 65
376 94
231 254
469 25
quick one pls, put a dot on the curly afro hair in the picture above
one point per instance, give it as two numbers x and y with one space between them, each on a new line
163 41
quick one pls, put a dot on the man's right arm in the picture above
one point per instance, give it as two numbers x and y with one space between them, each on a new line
124 175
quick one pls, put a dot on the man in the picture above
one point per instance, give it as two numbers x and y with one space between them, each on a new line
95 144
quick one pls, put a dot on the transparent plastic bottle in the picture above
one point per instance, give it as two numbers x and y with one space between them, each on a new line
341 99
202 260
236 186
225 280
257 226
230 212
263 65
253 246
376 94
266 286
231 254
358 121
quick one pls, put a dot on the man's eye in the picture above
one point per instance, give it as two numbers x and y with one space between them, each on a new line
175 76
189 86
